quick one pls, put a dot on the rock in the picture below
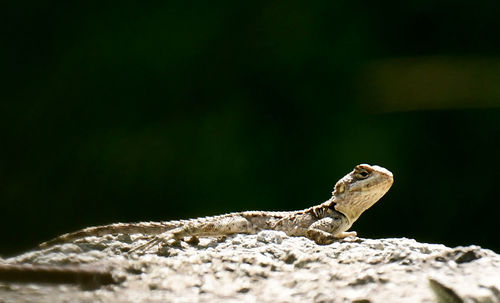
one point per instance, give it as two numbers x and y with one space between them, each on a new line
269 267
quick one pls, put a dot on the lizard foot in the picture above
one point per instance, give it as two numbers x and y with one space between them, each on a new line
193 240
144 247
346 234
324 241
320 237
157 240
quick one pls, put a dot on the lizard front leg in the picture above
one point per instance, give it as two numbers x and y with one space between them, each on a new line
327 230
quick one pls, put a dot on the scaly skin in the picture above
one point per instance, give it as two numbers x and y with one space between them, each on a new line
324 223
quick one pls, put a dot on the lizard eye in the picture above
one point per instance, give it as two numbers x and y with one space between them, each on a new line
362 174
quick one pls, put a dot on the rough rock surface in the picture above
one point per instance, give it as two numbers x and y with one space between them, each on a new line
268 267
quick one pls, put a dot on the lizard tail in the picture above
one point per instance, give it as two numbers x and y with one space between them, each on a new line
150 228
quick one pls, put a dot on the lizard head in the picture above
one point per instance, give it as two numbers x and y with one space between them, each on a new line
360 189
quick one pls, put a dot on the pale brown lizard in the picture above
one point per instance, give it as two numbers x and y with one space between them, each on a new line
324 223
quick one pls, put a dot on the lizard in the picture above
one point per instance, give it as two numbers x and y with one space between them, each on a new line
324 223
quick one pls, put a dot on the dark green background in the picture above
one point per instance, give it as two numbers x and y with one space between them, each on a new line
155 111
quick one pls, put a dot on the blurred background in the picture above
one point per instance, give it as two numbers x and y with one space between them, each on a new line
158 111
